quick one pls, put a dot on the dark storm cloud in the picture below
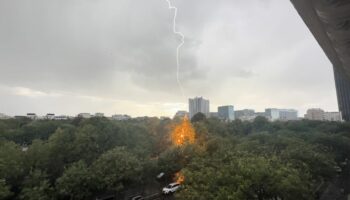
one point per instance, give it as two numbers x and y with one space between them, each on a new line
114 50
84 42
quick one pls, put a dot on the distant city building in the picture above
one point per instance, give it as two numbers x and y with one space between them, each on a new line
84 115
181 114
245 115
50 116
333 116
142 118
3 116
314 114
120 117
274 114
226 113
288 114
214 115
99 114
20 117
321 115
260 114
61 117
198 104
32 116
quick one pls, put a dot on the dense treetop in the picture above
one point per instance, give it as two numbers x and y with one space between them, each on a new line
82 158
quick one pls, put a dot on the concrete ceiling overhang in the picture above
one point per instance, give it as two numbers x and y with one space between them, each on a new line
329 22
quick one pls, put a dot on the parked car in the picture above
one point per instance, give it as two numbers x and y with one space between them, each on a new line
171 188
159 176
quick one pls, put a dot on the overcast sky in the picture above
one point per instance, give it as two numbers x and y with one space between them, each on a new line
118 56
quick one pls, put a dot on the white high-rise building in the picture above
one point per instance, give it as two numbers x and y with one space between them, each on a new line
198 104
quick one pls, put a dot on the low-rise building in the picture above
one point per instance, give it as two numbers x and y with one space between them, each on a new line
84 115
32 116
246 114
288 114
274 114
50 116
247 118
61 117
20 117
260 114
321 115
3 116
120 117
99 114
314 114
333 116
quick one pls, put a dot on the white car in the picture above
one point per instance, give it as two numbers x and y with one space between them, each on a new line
172 187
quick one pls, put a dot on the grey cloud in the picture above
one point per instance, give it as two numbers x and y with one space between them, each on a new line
125 49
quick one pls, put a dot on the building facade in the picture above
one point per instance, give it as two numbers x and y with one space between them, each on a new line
314 114
84 115
198 105
246 114
62 117
226 113
288 114
32 116
333 116
120 117
3 116
50 116
274 114
320 115
99 114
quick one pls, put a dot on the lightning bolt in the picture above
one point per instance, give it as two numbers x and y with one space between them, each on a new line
171 7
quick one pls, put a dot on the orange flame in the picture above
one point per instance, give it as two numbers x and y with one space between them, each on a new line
183 133
179 178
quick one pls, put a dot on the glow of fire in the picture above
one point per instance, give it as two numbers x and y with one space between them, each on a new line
183 133
179 178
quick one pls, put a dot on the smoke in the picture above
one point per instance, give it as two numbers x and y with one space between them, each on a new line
171 7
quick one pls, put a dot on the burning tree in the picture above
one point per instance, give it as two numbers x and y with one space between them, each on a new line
183 133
